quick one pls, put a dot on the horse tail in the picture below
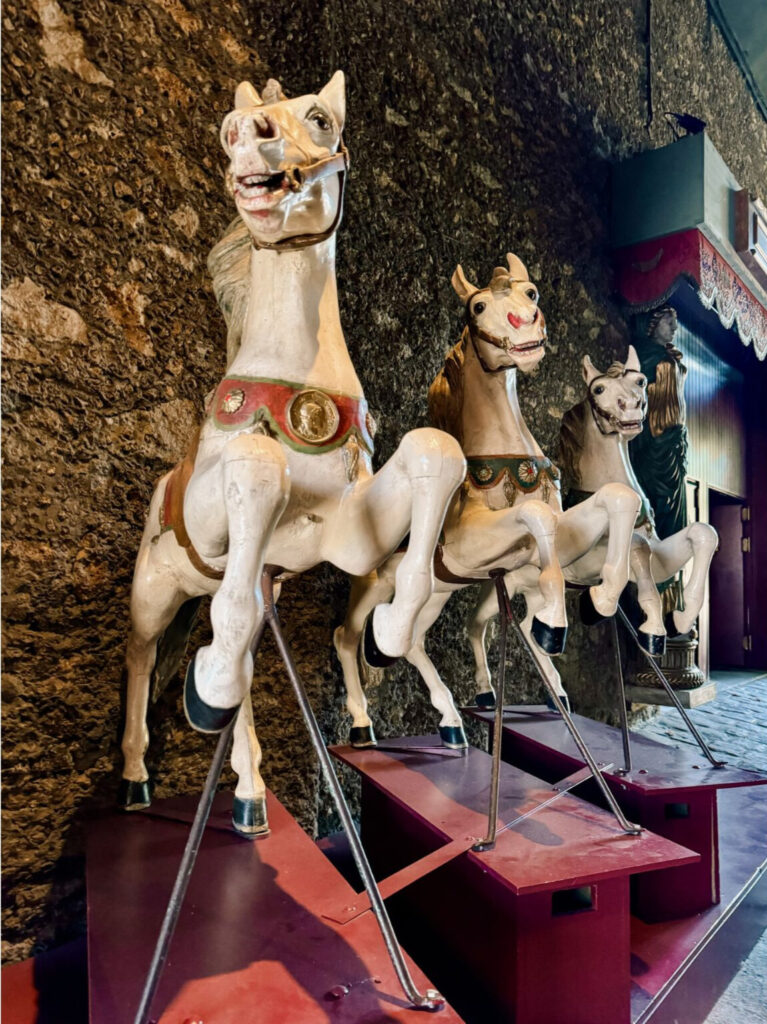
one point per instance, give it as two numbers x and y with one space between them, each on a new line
446 392
171 647
571 445
229 266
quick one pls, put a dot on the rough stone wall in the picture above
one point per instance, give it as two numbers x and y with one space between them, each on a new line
473 129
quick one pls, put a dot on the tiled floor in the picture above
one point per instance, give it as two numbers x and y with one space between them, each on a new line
735 726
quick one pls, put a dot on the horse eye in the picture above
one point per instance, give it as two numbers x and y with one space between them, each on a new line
599 389
642 382
321 121
531 293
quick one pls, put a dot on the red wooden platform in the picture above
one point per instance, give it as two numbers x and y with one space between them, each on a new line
535 931
251 945
670 791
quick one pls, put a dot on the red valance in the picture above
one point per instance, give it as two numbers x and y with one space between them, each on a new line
649 272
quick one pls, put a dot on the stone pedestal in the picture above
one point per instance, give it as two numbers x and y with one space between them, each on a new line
678 665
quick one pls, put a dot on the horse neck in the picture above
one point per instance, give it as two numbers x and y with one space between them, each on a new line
604 459
492 422
292 328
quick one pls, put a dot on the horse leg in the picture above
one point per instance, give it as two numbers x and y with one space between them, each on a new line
249 809
451 724
155 599
366 592
651 633
476 626
698 541
253 481
610 512
411 492
533 600
549 624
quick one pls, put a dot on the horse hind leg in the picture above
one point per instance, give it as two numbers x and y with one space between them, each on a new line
651 633
153 608
366 592
483 611
254 483
451 724
702 542
249 815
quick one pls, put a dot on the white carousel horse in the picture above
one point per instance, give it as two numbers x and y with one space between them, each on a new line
281 473
594 450
509 513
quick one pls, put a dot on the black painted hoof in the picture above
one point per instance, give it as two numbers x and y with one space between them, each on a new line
552 706
486 701
589 615
653 643
550 639
201 716
371 652
132 796
668 622
453 736
362 736
249 818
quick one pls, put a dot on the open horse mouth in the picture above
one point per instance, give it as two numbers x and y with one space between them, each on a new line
253 187
528 346
630 425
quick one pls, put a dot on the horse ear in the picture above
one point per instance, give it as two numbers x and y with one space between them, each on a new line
246 96
632 360
464 289
517 269
334 94
589 370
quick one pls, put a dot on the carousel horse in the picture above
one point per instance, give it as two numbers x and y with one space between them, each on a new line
280 474
508 515
594 450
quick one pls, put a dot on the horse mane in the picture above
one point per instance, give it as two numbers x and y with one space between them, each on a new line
571 434
446 391
229 266
571 444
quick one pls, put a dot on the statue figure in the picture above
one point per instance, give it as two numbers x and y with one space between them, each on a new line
659 453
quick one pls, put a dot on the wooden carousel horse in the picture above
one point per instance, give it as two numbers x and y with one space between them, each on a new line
508 515
593 451
281 473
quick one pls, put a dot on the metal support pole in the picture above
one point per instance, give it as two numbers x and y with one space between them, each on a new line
622 702
612 803
430 1000
184 874
670 691
504 609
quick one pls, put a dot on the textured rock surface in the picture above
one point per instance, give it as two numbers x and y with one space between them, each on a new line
473 129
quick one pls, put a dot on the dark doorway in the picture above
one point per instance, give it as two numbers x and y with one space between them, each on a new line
726 583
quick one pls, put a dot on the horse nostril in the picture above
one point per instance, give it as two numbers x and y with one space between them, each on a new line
265 127
535 316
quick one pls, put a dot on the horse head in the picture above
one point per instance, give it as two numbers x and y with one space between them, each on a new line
287 162
618 397
507 328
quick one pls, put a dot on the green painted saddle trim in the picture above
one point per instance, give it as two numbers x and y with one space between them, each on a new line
524 471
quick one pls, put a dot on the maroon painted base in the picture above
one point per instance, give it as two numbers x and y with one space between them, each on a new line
534 931
670 791
251 945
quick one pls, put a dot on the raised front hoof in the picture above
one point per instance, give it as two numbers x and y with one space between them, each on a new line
552 706
653 643
486 701
201 716
249 818
589 615
362 736
132 796
550 639
371 652
453 736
